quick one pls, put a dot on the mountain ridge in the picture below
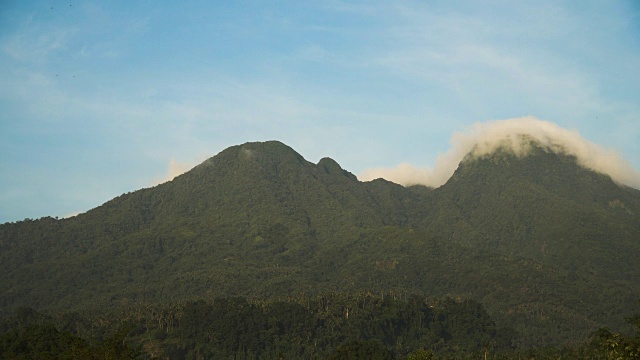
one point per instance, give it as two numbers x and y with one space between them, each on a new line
527 236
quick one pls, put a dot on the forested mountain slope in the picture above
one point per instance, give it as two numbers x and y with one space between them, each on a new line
547 246
544 207
575 226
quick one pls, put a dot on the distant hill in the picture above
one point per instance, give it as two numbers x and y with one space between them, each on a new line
548 247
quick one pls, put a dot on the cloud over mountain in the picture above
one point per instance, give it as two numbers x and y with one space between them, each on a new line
174 169
514 135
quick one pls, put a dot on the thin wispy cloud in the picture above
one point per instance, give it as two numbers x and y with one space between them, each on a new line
36 45
174 169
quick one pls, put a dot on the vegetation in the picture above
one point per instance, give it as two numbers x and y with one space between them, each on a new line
31 335
549 248
329 326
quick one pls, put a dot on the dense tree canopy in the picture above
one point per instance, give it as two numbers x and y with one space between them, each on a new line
530 238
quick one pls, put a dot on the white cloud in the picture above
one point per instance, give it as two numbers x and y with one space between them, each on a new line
174 169
484 138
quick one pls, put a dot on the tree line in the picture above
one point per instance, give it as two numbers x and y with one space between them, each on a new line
326 326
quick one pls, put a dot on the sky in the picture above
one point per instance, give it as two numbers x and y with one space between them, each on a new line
100 98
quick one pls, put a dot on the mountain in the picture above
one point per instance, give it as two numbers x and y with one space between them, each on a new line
258 209
547 208
547 246
575 233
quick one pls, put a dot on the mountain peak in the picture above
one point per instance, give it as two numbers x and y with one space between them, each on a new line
270 156
539 170
527 136
268 152
331 167
260 151
519 137
518 145
531 160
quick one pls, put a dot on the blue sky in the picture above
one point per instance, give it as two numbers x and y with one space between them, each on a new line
102 98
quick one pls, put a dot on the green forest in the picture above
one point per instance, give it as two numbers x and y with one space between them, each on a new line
331 326
512 255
